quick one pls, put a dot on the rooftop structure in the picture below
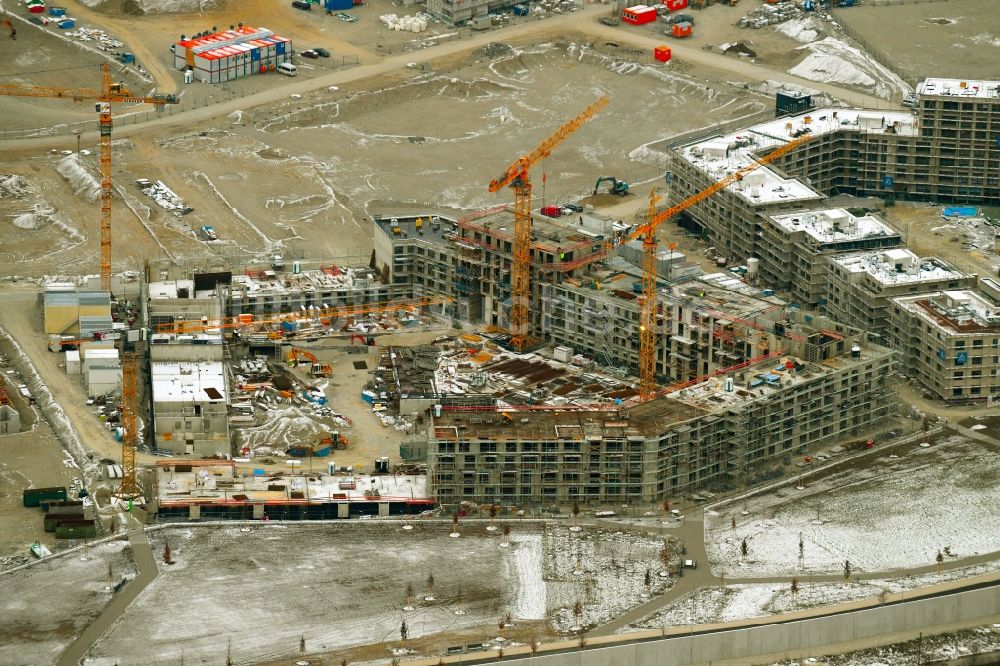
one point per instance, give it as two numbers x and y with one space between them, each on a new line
897 266
188 382
212 488
719 156
827 227
948 340
935 87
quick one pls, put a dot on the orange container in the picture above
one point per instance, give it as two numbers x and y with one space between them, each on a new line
662 53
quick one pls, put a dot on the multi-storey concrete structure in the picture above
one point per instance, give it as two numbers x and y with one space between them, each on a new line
189 395
795 248
457 12
950 342
715 434
861 286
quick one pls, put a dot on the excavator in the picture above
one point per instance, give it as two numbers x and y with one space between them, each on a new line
615 186
316 369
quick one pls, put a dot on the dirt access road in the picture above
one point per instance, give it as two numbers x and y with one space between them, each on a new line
583 21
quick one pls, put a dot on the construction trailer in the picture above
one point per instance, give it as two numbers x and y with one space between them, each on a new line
639 14
232 54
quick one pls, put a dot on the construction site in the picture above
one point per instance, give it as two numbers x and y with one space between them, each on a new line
270 325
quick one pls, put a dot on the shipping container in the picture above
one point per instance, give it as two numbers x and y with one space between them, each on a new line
35 496
682 30
639 14
57 11
662 53
76 532
674 5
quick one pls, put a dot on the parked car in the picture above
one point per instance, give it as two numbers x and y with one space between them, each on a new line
576 208
302 4
690 564
309 54
322 52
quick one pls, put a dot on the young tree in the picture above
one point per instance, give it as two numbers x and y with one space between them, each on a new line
500 654
404 631
506 534
577 613
494 510
167 559
722 579
409 597
576 514
802 550
302 643
343 662
229 653
732 525
940 560
795 591
533 646
582 642
665 554
883 596
847 571
648 581
430 587
666 505
744 550
454 521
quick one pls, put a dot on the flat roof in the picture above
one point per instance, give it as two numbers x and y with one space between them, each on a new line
201 486
834 225
721 155
898 266
194 381
959 88
327 278
955 311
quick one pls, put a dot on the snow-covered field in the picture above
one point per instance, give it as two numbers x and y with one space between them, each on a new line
740 602
44 608
343 585
892 514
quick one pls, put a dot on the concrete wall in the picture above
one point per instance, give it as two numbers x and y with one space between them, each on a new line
10 420
793 639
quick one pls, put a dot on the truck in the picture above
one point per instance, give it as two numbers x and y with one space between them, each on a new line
208 233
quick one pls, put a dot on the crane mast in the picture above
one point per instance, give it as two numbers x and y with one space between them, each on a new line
647 322
516 177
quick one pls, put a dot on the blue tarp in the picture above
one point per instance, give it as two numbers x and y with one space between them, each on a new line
960 211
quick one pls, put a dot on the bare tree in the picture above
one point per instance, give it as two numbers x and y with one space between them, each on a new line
722 579
732 524
494 510
575 511
302 643
940 560
577 611
802 551
648 581
500 654
454 521
430 585
744 550
409 595
847 571
582 642
883 596
666 505
665 554
795 591
229 653
533 646
506 534
404 631
167 559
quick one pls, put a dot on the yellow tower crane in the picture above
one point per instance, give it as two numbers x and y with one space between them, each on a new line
647 231
516 177
109 92
129 488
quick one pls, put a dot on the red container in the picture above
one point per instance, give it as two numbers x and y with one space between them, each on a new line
551 211
36 9
639 14
662 53
674 5
682 30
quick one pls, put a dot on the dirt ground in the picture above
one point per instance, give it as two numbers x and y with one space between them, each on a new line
44 607
957 38
928 234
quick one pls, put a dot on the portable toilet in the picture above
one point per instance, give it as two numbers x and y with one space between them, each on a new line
189 76
662 53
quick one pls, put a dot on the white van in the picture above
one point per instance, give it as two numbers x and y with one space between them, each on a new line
287 68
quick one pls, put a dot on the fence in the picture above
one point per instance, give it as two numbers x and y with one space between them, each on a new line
910 76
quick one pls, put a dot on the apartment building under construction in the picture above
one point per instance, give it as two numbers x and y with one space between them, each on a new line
716 434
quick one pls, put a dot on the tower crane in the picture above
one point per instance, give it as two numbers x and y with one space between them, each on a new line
647 231
129 489
516 177
109 92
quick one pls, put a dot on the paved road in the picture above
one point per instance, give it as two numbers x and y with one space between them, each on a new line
584 21
146 565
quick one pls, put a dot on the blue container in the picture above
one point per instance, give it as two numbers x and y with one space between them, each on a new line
259 472
288 326
68 24
521 10
337 5
57 11
769 292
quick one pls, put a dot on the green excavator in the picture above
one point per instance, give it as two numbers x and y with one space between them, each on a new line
615 186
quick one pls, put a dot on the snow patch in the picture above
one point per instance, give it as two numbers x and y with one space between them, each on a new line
83 183
833 61
803 30
527 555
